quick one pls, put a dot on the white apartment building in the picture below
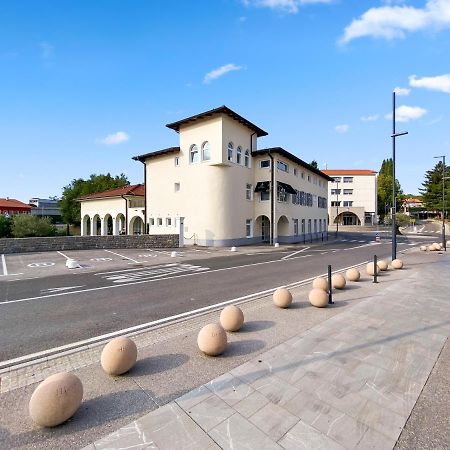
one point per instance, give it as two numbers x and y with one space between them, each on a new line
218 189
352 197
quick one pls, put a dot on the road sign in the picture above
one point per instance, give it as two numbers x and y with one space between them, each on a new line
377 237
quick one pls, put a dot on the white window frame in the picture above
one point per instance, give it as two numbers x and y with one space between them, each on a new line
239 155
206 150
249 228
230 152
168 221
295 227
248 191
193 150
159 221
264 161
281 165
247 160
348 180
348 191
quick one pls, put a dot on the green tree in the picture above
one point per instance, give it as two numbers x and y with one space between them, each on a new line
5 226
314 164
26 225
70 207
432 188
385 188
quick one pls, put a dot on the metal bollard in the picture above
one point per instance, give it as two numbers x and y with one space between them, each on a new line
330 289
375 269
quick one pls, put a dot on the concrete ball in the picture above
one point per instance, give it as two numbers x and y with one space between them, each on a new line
382 265
430 248
397 264
118 356
448 243
212 339
320 283
56 399
369 269
282 298
353 275
423 248
436 246
231 318
318 298
338 281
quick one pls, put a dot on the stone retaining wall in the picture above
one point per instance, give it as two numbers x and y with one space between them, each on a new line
46 244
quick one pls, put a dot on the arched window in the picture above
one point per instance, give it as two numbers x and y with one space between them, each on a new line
247 158
193 154
230 152
239 155
206 153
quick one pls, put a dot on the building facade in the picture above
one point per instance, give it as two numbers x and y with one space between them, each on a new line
218 189
11 206
113 212
45 207
352 197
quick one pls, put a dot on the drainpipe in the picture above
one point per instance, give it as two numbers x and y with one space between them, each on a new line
126 215
272 196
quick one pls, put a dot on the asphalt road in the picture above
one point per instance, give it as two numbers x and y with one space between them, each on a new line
51 311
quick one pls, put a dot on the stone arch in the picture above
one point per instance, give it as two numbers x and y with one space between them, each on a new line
347 218
136 225
96 225
120 224
283 226
262 228
86 225
108 225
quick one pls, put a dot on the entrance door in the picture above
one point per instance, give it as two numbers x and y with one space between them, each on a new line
349 219
265 228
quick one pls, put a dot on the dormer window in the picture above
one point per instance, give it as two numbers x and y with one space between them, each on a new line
230 154
193 154
206 153
239 155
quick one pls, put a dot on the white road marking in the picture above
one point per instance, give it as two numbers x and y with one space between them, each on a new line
42 264
60 289
5 269
295 253
62 254
128 331
132 270
122 256
101 259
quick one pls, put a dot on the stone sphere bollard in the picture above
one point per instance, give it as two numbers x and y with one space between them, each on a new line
212 339
369 269
382 265
318 298
118 356
338 281
436 246
423 248
282 298
56 399
231 318
353 275
320 283
430 248
397 264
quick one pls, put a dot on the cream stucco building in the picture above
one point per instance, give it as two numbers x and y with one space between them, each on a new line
113 212
352 197
217 188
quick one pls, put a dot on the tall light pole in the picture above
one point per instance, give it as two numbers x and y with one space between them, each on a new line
444 242
394 203
337 207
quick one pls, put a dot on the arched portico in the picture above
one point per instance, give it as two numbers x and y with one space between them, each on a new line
262 228
96 225
136 225
107 225
86 226
347 218
119 224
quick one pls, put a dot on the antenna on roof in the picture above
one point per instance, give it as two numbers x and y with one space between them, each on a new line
326 165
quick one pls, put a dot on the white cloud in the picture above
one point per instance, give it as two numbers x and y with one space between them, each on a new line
221 71
406 113
115 138
439 83
402 91
391 22
371 118
289 6
47 50
342 128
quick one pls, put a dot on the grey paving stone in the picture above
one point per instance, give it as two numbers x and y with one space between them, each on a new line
129 437
237 433
249 405
230 388
210 412
275 389
193 397
273 420
251 370
372 440
305 437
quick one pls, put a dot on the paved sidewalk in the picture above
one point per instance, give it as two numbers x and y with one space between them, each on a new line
349 382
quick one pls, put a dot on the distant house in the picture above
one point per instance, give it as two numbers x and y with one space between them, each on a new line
113 212
411 203
352 197
11 206
45 207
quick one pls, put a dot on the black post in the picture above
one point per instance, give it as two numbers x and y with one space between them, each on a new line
375 269
394 202
330 289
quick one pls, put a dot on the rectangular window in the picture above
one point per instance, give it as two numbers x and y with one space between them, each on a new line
281 194
309 178
295 172
303 226
249 228
303 175
295 227
309 226
152 221
348 179
177 187
264 164
315 225
348 191
265 196
302 198
335 191
159 222
177 161
282 166
248 191
168 222
348 203
337 179
335 203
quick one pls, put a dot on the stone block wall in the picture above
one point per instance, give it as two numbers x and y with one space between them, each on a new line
61 243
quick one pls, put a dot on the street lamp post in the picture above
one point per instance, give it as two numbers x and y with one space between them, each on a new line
394 204
337 207
444 242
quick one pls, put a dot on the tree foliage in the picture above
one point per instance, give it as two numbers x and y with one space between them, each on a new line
432 188
70 207
385 187
314 164
26 225
5 226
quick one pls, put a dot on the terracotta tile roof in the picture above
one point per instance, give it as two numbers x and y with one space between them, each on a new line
349 172
137 190
13 203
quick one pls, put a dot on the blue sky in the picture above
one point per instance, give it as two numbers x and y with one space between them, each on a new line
86 85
